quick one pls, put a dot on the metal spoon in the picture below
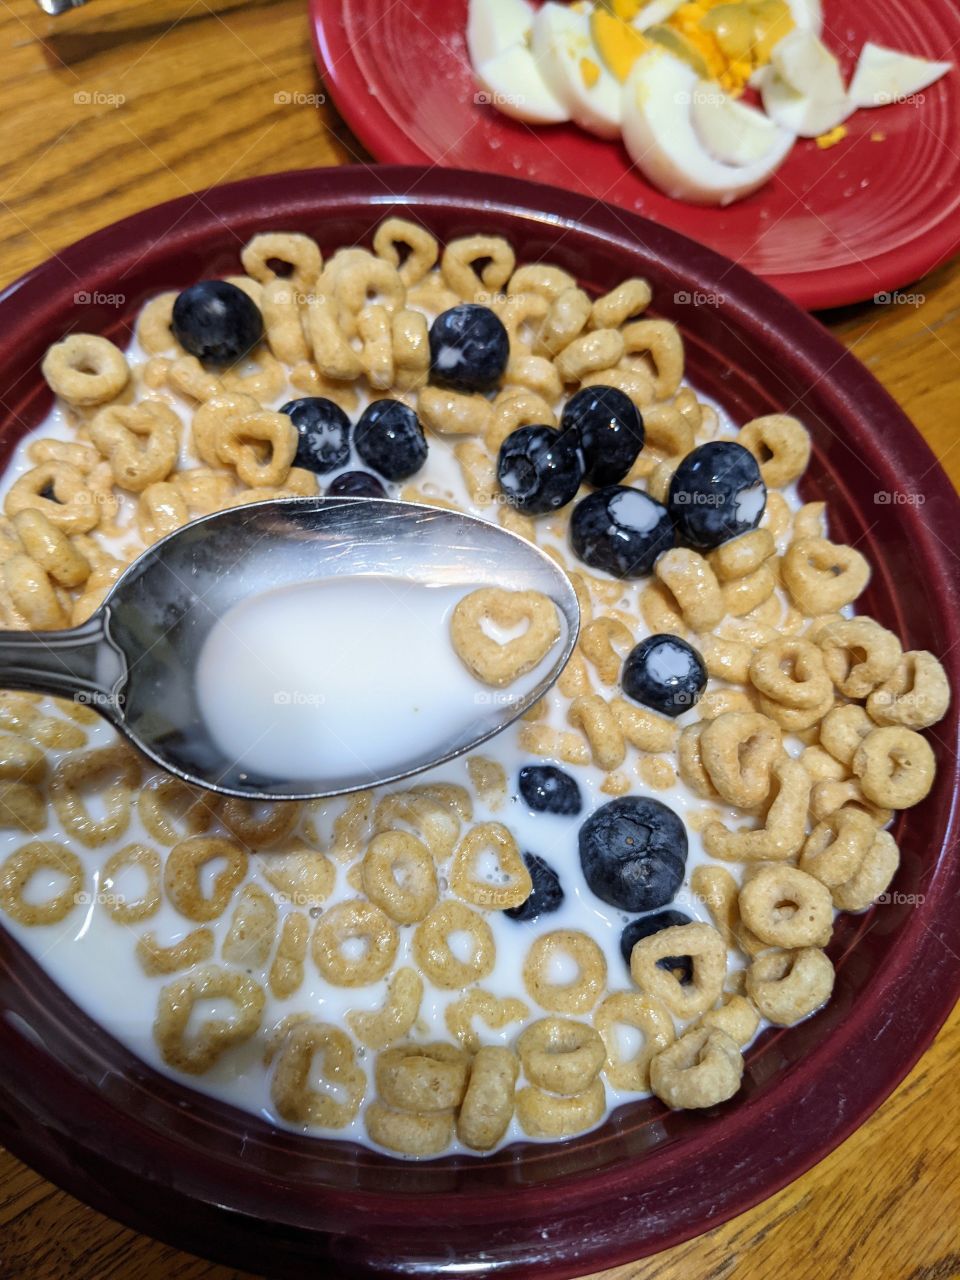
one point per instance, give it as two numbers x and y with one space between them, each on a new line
134 660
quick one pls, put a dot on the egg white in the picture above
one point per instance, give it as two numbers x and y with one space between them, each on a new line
659 133
561 39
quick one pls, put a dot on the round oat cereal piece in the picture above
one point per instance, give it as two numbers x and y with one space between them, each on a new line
872 878
422 1077
843 729
437 960
702 1068
113 773
85 369
257 826
858 654
790 670
488 1103
895 767
19 868
738 1017
916 695
545 1115
166 803
786 986
787 908
837 846
411 1133
738 750
822 576
354 919
576 996
641 1013
561 1055
132 910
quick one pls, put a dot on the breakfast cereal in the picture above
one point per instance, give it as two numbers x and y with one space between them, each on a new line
431 967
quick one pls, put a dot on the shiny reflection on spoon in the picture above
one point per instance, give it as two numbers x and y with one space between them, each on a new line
299 648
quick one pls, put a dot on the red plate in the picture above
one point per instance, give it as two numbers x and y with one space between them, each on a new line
171 1162
831 227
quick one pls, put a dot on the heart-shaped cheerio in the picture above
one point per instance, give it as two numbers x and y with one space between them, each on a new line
488 659
488 1008
507 884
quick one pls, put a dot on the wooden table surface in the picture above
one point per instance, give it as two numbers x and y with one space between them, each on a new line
139 107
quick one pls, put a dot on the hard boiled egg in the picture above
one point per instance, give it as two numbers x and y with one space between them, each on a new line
730 130
884 76
572 71
617 42
495 25
672 139
807 15
655 11
802 88
515 86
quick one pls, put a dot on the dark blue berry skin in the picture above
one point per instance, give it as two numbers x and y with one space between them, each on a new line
216 322
547 789
356 484
540 469
664 673
546 895
633 851
620 530
390 439
647 925
324 431
716 494
469 348
610 430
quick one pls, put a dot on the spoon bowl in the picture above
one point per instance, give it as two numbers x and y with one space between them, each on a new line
135 659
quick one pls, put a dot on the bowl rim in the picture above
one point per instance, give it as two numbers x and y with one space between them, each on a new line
133 1176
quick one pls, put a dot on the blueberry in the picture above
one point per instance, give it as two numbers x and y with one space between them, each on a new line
610 430
216 322
356 484
620 530
546 789
540 469
647 925
469 348
324 431
633 852
716 493
546 894
665 673
390 439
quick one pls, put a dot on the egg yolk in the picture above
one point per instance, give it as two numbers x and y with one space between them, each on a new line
589 71
830 139
730 40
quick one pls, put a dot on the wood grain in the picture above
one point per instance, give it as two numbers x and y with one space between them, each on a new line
145 114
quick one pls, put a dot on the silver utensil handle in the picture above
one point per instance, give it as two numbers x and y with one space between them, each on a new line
55 7
82 663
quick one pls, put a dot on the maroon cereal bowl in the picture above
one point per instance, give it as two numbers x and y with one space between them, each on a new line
199 1174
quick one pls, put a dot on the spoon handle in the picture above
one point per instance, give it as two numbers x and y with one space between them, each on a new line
82 663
